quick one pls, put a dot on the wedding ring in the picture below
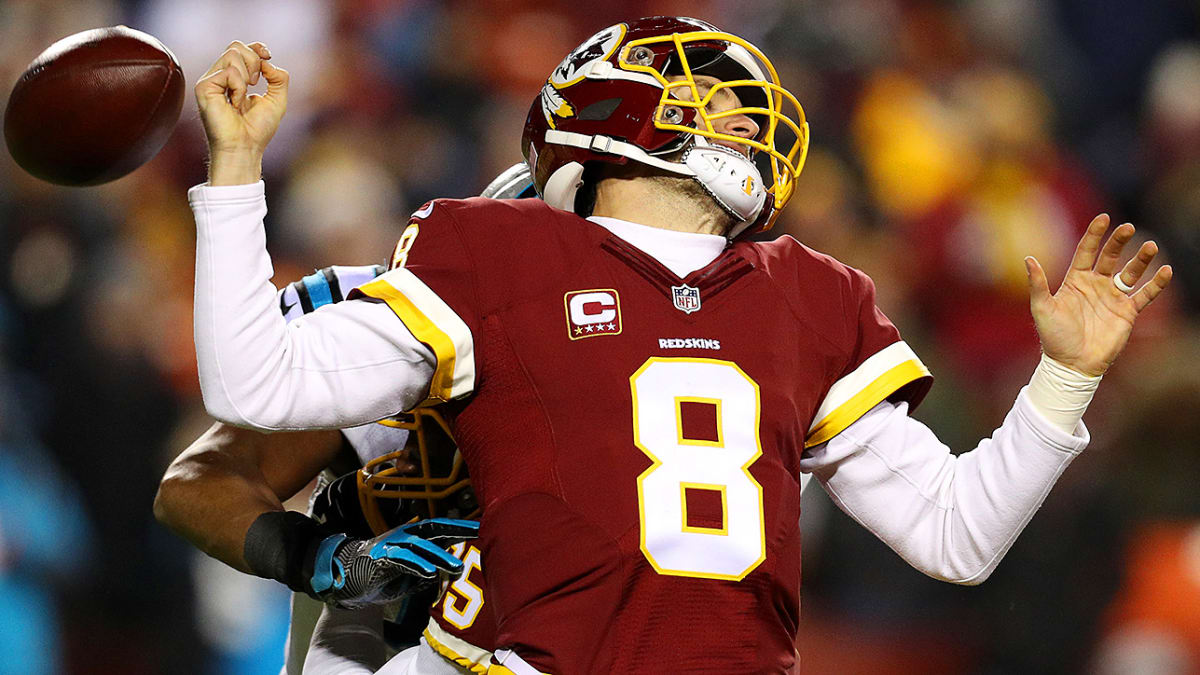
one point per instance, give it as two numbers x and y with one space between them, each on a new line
1120 284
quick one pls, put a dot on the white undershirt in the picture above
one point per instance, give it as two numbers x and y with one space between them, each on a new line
680 252
350 363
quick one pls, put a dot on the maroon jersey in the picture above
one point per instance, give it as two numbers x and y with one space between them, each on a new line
634 438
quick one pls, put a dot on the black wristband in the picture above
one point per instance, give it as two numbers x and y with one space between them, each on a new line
282 545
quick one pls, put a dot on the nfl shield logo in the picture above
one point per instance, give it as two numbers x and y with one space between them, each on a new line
687 299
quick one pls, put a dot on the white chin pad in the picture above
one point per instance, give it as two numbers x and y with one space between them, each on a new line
730 177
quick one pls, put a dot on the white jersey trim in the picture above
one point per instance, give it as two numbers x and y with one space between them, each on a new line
873 381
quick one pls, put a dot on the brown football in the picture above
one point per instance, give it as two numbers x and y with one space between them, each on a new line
94 106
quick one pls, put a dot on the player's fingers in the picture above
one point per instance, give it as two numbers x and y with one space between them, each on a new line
1085 252
231 59
1146 294
1039 289
1136 267
250 60
410 561
216 67
1110 254
213 88
260 49
445 531
251 101
277 82
235 86
432 554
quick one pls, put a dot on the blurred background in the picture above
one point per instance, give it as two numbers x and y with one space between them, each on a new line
950 139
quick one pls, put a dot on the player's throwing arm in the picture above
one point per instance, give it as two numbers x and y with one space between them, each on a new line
249 360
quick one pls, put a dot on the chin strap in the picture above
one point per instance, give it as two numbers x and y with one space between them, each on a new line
607 144
728 176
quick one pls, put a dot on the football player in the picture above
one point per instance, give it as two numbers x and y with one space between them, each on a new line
635 388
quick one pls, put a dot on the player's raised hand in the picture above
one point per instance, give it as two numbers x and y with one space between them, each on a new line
1086 324
239 125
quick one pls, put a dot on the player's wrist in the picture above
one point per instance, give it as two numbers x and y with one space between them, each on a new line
1061 393
1076 368
283 545
234 166
327 573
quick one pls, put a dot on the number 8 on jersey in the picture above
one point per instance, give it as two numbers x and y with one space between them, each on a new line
719 465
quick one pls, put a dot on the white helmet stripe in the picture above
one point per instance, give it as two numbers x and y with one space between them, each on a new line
600 143
746 60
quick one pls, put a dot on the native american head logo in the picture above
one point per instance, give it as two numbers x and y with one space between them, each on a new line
574 68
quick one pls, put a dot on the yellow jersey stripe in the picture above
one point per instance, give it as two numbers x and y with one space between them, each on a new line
868 397
463 653
433 323
424 330
867 372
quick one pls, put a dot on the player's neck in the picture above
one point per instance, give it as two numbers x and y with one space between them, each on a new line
667 203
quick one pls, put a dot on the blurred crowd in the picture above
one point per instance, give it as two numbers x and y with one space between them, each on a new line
950 139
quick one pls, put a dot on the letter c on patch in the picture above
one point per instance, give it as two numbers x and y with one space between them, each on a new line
594 307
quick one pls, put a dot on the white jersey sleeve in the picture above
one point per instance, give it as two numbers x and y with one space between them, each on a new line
951 517
344 365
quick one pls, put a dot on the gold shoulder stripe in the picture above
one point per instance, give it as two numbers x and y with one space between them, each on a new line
424 330
874 380
868 398
433 323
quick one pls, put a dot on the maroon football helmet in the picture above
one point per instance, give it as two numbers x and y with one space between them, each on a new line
630 92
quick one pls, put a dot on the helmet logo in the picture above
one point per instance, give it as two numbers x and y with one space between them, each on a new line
748 185
554 105
596 48
575 67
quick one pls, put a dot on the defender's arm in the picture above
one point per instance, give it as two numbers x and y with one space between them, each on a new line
227 478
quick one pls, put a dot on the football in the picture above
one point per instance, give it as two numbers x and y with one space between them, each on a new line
94 106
